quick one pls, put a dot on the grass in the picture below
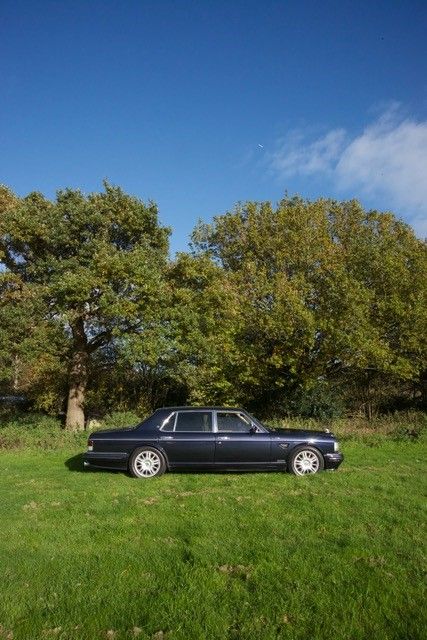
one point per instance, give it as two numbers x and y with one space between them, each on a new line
213 556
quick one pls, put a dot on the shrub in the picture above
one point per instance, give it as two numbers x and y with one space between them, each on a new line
412 428
31 430
321 402
118 419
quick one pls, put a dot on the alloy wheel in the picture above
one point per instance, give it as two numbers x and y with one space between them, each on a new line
147 464
306 462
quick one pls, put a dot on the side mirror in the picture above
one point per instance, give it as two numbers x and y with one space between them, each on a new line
253 430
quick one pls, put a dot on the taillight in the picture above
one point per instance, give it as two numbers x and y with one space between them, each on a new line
90 445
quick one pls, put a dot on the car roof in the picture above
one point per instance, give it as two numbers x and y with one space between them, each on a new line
188 408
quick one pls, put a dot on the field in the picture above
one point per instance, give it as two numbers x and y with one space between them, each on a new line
214 556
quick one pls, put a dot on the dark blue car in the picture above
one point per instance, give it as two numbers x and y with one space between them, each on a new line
210 438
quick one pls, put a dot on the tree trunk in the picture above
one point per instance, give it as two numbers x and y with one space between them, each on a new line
75 420
16 372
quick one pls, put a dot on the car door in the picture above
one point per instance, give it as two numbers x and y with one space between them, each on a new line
236 444
191 441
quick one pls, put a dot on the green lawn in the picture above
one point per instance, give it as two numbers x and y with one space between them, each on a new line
214 556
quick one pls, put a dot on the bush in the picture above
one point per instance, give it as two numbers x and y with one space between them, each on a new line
413 428
31 430
35 430
119 419
321 402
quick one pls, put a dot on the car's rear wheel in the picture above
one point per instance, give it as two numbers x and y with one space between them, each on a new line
306 461
146 463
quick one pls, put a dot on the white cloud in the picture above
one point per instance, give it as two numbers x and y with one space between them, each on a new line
386 163
296 157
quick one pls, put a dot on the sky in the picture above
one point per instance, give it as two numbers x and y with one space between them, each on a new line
200 105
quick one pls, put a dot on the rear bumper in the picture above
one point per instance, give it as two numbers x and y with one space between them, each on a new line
105 460
333 460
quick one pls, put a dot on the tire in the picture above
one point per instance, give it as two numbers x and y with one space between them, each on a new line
306 460
146 463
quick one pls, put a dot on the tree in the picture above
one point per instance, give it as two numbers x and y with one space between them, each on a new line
32 347
203 322
324 287
96 263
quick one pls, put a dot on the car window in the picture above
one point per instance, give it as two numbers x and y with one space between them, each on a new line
232 422
194 421
169 423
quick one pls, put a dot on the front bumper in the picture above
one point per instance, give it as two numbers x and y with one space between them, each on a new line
333 460
105 460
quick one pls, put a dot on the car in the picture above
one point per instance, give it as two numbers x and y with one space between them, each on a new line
210 438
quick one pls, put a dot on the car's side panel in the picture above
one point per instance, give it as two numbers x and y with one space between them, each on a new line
242 448
106 460
112 451
188 448
282 446
190 440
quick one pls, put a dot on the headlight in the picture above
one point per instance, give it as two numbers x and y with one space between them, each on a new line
90 445
336 446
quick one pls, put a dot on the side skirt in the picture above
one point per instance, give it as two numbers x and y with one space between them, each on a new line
231 465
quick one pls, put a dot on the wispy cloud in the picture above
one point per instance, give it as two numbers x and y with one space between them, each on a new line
386 163
297 156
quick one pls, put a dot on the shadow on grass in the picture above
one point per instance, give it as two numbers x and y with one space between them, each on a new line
76 464
222 472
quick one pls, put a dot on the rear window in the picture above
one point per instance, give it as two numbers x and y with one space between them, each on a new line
194 421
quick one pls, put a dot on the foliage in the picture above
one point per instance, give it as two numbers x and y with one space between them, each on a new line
28 430
95 262
37 431
316 308
204 321
321 401
324 289
119 419
31 346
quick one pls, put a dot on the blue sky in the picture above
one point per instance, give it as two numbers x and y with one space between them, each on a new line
198 105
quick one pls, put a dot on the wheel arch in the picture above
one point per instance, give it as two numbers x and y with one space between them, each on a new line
304 445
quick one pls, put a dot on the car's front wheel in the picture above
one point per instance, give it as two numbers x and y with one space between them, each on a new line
305 461
146 463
